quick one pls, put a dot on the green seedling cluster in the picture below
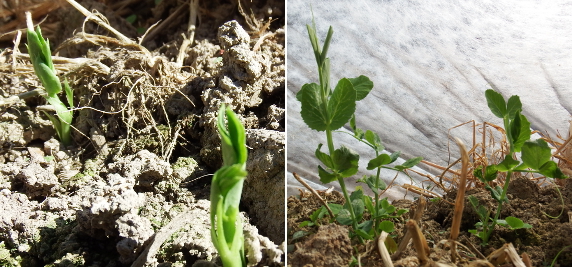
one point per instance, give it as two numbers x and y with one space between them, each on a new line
40 55
361 203
324 109
535 155
226 189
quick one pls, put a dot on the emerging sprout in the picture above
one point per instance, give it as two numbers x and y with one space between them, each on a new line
40 55
226 189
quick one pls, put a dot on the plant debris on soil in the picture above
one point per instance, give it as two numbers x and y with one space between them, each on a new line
133 188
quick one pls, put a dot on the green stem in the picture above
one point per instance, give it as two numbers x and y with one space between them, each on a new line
499 208
375 212
343 184
508 134
351 208
330 141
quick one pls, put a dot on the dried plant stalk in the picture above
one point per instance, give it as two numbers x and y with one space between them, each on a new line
480 263
419 242
513 256
460 199
315 193
100 22
498 256
190 36
383 250
526 259
417 217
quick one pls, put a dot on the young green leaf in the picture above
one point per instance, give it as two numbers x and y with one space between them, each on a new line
379 161
496 103
230 179
342 104
324 53
481 211
324 158
507 164
363 234
345 161
336 208
386 226
513 223
233 137
535 153
386 208
357 194
474 201
490 175
366 227
496 193
299 235
513 106
325 77
69 93
479 234
550 169
325 176
394 156
520 131
368 204
49 80
374 140
359 208
363 86
344 217
516 223
318 214
402 211
370 180
358 133
409 163
313 108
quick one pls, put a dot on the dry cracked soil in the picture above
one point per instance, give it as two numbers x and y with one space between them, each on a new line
133 188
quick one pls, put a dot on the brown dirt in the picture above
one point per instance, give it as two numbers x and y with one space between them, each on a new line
145 138
528 201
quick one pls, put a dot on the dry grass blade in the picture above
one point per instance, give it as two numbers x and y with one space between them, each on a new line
100 22
488 151
460 200
420 191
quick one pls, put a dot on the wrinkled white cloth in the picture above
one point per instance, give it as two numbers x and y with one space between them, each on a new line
431 62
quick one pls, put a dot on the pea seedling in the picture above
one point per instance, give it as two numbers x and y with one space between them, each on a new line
535 155
226 189
324 109
40 55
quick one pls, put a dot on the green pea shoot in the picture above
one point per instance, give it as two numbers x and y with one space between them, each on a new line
226 189
40 55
